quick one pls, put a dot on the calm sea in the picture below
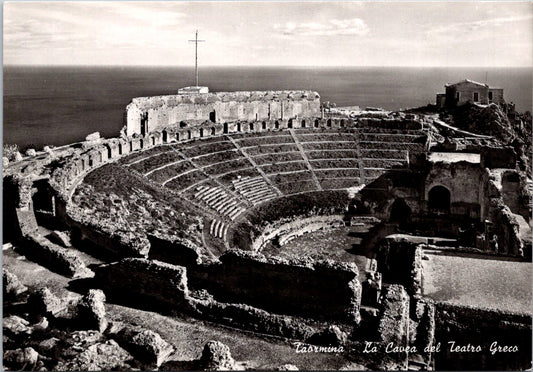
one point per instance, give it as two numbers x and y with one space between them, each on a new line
60 105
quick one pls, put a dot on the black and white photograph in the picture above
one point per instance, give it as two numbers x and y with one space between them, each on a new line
267 185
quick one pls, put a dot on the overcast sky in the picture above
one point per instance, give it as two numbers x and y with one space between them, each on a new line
270 33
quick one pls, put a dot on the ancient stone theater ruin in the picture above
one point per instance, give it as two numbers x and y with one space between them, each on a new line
372 239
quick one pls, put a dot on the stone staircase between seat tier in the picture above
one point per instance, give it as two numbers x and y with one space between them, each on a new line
256 190
220 200
218 229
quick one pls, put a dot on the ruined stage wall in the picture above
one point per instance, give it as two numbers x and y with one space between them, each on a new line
159 112
464 182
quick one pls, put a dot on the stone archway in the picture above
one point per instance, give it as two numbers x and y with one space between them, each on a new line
439 200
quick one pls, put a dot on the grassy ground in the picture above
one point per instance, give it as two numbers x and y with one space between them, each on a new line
477 281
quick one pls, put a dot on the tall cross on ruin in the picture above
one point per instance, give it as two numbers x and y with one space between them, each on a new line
196 41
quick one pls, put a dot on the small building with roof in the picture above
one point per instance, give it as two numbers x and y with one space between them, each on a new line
464 91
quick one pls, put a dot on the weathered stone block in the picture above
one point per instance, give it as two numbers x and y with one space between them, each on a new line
43 301
146 345
16 325
91 311
21 358
12 285
99 357
216 356
93 136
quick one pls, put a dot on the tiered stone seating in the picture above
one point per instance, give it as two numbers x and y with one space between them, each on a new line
277 157
185 180
284 167
332 154
333 157
167 172
411 141
296 161
294 182
264 140
381 150
221 201
133 158
218 229
254 189
148 165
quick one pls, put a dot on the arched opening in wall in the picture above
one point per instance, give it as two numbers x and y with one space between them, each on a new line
108 152
83 165
90 162
201 132
165 136
120 148
439 200
131 146
226 131
238 127
317 123
251 126
400 211
303 123
153 141
289 124
189 136
276 124
213 116
144 123
342 123
264 125
213 132
141 144
43 203
100 157
177 136
328 123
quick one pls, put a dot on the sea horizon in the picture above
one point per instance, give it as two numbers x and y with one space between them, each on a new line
56 105
261 66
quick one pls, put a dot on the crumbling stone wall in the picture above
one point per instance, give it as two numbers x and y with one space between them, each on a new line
163 287
151 282
498 157
399 260
168 111
174 250
393 324
507 229
515 193
317 289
